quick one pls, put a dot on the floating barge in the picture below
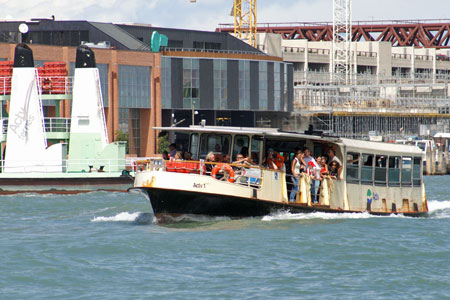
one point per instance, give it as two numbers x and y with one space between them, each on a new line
88 162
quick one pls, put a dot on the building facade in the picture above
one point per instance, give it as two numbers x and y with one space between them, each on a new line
200 76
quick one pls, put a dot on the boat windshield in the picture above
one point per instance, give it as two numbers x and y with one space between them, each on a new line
421 145
219 144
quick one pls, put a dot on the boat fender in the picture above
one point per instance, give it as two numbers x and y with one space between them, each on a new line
225 167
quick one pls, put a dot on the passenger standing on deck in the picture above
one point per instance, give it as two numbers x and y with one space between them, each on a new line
334 158
297 167
312 164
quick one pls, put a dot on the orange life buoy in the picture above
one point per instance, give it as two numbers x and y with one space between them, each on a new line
46 84
223 167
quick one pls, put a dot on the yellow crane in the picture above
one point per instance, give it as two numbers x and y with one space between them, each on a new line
244 12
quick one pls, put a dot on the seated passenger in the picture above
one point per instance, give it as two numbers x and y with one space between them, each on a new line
187 155
165 155
226 158
178 155
210 158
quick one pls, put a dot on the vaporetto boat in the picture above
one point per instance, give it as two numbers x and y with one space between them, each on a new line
378 178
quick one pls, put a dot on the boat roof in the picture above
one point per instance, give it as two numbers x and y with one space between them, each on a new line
369 146
273 132
445 135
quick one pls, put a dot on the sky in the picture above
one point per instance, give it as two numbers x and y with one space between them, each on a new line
207 14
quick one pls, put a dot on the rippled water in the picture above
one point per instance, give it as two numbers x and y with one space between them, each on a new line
107 246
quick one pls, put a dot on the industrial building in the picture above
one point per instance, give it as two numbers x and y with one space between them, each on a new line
399 83
209 76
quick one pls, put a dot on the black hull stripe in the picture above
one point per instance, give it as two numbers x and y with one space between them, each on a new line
176 202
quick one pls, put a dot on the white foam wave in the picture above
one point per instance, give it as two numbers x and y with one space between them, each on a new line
121 217
435 205
436 209
316 215
286 215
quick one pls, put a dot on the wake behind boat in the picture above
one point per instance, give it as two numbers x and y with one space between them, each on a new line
372 177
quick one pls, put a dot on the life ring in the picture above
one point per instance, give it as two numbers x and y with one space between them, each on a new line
223 167
47 85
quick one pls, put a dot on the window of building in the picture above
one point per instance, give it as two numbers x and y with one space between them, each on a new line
58 38
103 74
134 86
134 135
213 46
367 169
277 87
220 84
244 84
166 84
380 170
123 120
175 44
417 171
199 45
285 91
353 167
191 83
394 171
406 171
263 90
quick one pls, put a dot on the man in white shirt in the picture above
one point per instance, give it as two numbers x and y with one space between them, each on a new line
315 176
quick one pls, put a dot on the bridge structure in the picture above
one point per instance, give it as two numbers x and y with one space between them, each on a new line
427 33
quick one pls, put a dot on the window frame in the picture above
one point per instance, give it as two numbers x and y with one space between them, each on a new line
352 166
364 167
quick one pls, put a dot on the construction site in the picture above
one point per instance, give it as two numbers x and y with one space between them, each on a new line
381 80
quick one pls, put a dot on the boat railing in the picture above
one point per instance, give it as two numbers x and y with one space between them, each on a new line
244 174
63 166
48 85
50 124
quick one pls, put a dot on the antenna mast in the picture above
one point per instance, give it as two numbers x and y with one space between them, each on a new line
342 37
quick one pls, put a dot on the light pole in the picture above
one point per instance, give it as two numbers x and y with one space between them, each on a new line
194 112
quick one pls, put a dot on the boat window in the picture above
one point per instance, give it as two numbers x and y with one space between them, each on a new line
380 170
256 148
217 143
194 145
353 167
421 145
240 146
367 169
406 171
394 171
417 172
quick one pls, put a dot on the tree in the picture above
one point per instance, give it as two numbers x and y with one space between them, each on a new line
122 137
163 144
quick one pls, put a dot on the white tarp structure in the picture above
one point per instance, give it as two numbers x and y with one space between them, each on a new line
26 148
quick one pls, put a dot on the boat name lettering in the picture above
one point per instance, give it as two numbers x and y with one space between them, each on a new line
19 119
200 185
